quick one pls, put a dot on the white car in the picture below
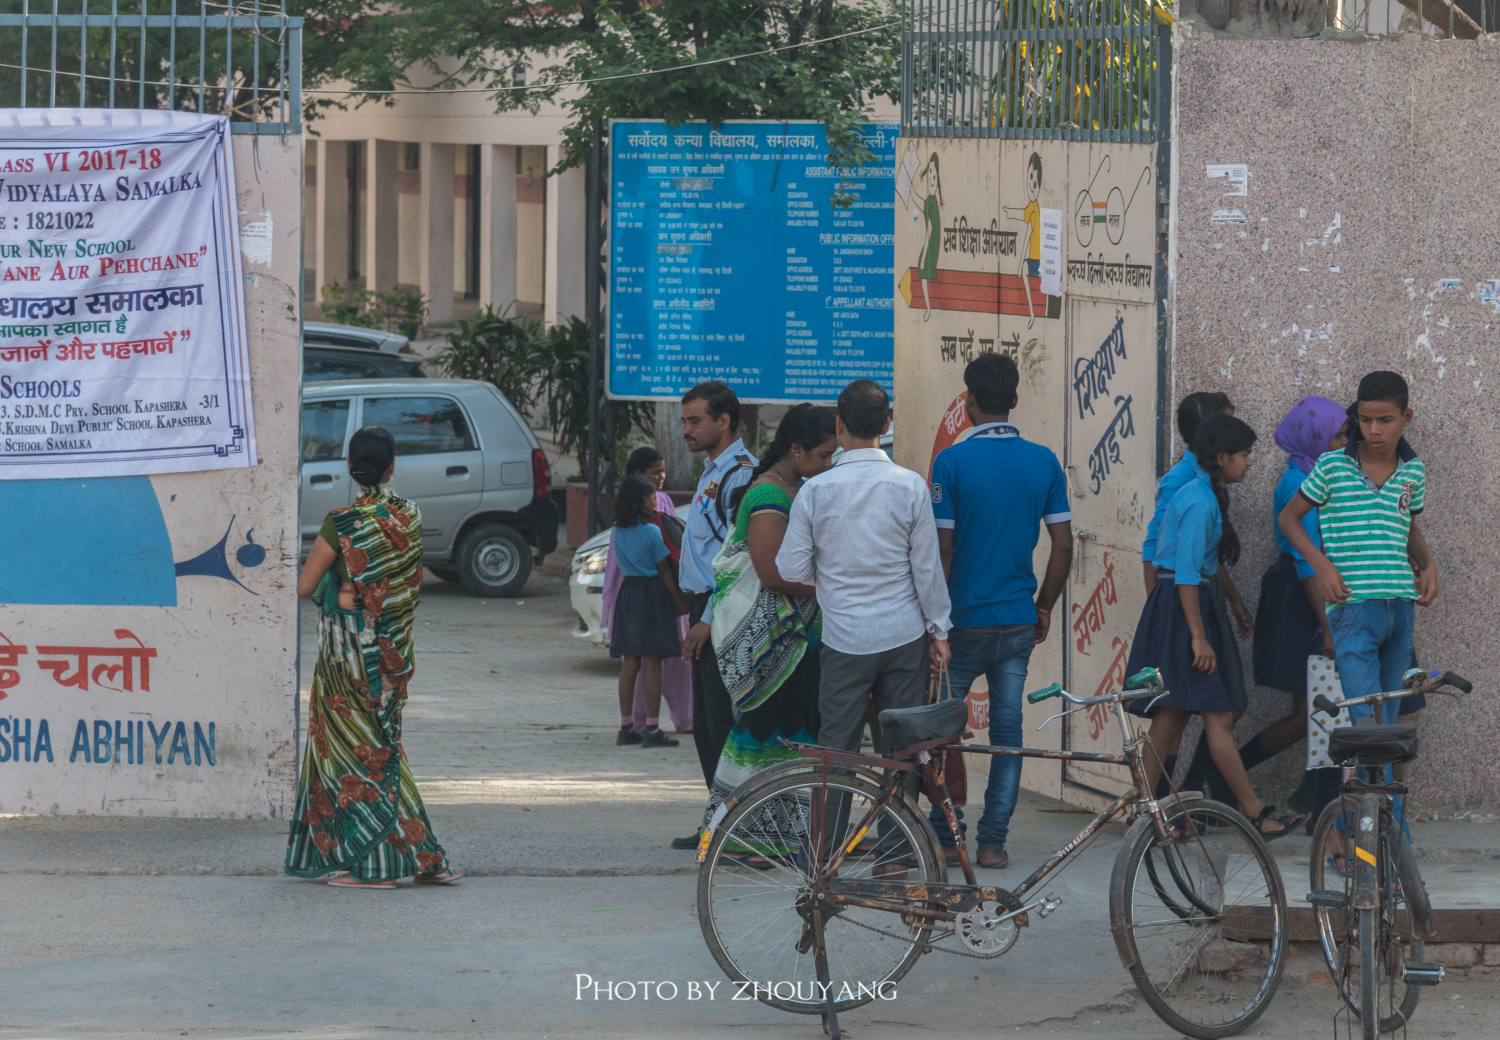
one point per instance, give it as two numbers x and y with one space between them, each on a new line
586 588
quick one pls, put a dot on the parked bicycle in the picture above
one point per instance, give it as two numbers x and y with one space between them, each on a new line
821 883
1372 909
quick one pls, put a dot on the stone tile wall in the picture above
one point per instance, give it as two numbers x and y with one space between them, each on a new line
1367 239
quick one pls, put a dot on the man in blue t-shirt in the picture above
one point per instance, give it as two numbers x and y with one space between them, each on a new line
991 495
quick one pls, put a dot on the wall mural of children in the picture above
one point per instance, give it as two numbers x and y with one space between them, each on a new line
930 186
1029 264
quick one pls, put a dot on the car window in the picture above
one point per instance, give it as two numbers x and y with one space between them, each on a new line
315 370
421 425
324 424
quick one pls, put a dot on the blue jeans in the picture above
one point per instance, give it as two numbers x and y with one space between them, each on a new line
1372 644
1000 653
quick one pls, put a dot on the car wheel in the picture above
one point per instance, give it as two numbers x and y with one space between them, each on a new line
445 573
494 560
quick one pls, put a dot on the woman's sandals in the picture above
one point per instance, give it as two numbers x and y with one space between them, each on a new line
345 881
1268 812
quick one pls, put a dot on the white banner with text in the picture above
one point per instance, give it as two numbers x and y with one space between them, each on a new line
122 314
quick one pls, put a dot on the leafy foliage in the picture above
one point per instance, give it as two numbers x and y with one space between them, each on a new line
565 387
510 352
485 43
395 310
535 369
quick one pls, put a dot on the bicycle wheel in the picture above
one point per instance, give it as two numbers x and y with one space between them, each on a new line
1200 920
1369 975
757 922
1339 930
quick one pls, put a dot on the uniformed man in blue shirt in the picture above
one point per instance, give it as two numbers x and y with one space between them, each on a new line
710 423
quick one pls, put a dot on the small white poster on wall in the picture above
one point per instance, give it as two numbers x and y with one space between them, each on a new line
1236 177
1052 264
122 314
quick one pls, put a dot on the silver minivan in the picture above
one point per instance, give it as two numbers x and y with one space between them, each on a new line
463 454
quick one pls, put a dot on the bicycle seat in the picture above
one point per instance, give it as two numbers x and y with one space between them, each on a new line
1374 745
903 727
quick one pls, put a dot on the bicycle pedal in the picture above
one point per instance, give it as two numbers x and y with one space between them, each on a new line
1415 974
1049 903
1328 899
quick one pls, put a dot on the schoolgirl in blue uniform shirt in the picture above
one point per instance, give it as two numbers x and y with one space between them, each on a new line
1289 620
1179 631
1195 407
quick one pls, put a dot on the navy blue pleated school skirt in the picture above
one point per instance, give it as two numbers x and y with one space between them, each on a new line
644 624
1286 630
1163 641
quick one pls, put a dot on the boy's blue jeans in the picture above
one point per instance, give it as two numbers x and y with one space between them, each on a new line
1372 644
1001 654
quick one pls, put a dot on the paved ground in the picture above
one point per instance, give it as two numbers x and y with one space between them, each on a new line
174 927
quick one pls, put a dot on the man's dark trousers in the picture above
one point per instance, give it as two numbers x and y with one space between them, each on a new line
894 678
713 715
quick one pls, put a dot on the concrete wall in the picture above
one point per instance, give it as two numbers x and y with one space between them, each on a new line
1368 243
225 662
983 297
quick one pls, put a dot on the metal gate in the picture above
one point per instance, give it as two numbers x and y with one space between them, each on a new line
243 61
1064 70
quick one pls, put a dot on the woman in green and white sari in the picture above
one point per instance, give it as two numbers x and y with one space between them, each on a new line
766 631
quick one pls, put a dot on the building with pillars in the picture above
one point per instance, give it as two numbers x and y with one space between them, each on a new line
441 193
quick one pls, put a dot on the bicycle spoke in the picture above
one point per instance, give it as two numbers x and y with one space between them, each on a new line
755 915
1205 915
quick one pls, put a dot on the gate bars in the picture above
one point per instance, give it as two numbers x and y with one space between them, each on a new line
244 61
1063 70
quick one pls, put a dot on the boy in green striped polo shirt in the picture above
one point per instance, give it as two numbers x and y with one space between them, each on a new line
1368 496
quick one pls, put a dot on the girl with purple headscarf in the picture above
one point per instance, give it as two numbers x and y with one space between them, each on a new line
1289 622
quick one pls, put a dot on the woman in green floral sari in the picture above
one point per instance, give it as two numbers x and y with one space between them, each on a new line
766 631
358 813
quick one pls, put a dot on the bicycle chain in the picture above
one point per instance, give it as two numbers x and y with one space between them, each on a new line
928 946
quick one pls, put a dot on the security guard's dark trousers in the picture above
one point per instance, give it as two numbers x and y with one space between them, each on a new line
713 715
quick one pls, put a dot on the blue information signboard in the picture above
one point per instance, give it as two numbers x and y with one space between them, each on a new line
729 261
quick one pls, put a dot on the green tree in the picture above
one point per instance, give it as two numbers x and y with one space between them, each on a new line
487 43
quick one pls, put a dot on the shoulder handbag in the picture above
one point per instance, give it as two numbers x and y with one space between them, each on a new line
950 767
671 528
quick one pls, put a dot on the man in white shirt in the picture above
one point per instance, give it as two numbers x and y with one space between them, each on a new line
863 534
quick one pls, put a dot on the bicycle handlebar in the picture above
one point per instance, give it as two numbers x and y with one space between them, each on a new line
1457 681
1145 683
1045 693
1330 706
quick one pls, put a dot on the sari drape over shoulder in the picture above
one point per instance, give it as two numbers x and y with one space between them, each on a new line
767 647
358 809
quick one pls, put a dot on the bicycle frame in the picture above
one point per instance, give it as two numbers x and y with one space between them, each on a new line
951 897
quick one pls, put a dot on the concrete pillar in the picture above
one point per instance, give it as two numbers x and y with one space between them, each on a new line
382 217
497 225
565 241
436 246
331 232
